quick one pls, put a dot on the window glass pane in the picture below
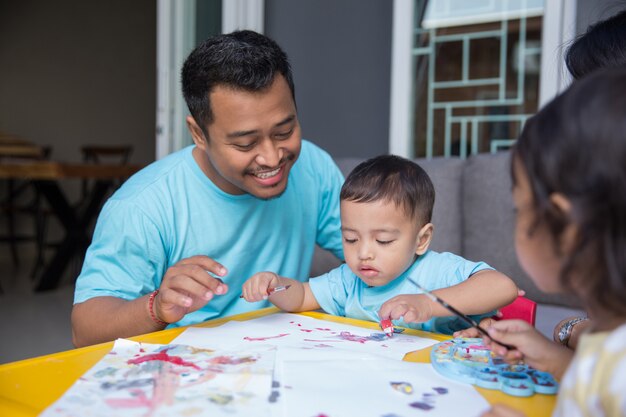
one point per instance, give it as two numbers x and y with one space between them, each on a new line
476 74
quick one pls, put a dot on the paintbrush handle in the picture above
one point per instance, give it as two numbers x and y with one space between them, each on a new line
467 319
278 289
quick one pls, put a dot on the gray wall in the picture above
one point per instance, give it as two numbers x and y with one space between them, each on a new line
74 72
341 57
590 11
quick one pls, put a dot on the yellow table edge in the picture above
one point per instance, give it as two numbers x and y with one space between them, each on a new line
27 387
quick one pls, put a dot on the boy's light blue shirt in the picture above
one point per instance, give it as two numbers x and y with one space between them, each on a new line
343 293
170 211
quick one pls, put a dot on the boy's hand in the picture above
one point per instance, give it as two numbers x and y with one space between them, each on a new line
530 346
485 323
187 286
256 287
416 308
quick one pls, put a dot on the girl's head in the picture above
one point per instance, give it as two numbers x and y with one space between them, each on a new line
603 45
386 206
569 188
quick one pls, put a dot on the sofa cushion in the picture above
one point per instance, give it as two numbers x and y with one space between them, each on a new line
489 221
446 175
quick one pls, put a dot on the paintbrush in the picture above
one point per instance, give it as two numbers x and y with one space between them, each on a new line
467 319
271 291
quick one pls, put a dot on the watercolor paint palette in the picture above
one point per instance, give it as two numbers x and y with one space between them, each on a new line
468 360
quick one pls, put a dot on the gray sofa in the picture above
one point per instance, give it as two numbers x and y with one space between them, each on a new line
474 218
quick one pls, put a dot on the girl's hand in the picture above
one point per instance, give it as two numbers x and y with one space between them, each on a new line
530 346
256 287
472 331
500 410
416 308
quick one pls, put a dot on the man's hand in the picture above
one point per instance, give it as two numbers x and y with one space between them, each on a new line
188 286
415 308
256 288
530 346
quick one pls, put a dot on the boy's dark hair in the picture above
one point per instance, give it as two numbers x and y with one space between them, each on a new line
394 179
603 45
576 146
242 60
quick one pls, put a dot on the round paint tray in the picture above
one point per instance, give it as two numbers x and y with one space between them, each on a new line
468 360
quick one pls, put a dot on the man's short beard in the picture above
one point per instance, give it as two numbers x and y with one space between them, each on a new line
277 195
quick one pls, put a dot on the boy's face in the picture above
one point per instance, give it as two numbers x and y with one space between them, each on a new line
380 241
253 141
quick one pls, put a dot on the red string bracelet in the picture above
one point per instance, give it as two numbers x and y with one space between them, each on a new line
153 316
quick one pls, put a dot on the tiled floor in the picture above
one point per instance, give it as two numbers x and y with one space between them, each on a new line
31 324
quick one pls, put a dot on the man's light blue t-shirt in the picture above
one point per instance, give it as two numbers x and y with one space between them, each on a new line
342 293
170 211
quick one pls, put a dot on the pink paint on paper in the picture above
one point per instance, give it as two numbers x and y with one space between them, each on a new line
229 360
262 339
163 357
478 347
139 399
323 341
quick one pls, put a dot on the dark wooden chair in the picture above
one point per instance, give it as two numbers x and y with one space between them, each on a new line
91 154
20 198
101 154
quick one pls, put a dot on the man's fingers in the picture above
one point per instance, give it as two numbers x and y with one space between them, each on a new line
170 297
200 275
186 284
208 264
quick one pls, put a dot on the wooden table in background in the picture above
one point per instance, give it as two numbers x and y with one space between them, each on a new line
46 176
27 387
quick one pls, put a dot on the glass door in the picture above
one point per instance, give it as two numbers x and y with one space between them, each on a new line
474 74
181 25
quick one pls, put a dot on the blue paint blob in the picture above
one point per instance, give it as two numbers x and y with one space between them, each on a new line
421 406
440 390
273 396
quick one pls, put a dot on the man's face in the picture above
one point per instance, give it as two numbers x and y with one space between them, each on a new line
253 142
379 240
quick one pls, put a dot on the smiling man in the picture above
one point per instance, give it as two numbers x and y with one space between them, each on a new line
175 243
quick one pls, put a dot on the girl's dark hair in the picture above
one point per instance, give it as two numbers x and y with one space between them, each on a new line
242 60
576 146
394 179
602 46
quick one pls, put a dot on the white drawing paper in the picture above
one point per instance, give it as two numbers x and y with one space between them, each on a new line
374 388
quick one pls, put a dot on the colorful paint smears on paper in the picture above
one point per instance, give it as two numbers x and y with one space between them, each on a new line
137 379
302 332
